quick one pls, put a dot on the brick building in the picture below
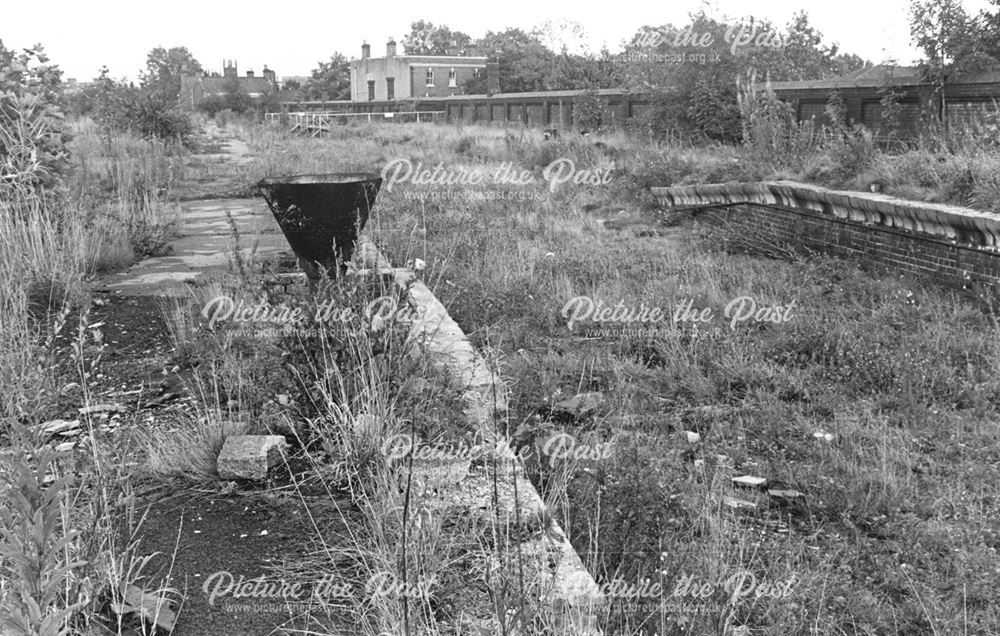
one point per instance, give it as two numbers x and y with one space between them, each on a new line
918 102
195 89
413 76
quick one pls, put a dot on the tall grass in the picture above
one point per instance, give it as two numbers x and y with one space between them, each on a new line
40 274
109 211
60 552
896 373
122 193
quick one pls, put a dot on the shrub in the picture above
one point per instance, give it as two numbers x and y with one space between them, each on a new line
234 99
658 120
32 136
588 110
32 545
855 152
770 129
142 111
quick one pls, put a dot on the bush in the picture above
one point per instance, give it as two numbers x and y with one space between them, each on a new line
32 136
233 102
125 108
665 119
855 151
588 111
770 129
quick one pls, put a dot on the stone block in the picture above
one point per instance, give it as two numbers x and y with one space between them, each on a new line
250 456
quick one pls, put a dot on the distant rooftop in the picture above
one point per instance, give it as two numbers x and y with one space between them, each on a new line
881 75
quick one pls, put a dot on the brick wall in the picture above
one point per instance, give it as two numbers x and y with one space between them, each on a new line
938 243
554 108
971 112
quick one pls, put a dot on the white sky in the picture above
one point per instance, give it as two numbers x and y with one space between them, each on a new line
292 36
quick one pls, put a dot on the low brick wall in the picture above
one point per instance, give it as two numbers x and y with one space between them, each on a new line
950 244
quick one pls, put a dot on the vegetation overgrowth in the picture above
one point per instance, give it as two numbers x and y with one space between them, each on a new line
876 403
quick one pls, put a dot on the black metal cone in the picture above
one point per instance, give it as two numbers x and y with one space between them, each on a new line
321 215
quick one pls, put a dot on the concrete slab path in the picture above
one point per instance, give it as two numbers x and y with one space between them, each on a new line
206 242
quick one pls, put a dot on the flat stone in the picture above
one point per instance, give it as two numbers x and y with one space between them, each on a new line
749 481
250 456
100 408
59 427
154 609
580 404
788 495
738 504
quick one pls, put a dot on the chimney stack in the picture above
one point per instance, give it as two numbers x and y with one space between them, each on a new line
390 48
250 73
366 50
492 76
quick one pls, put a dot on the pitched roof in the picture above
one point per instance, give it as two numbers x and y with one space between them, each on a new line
249 84
871 77
882 75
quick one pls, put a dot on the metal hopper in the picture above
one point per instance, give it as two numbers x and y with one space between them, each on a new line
321 215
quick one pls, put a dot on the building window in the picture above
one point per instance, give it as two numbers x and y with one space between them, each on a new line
390 88
371 90
452 79
475 73
430 77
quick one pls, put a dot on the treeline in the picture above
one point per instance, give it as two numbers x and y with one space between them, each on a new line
693 70
149 109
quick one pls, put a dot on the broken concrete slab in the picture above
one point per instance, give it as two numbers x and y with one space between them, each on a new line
60 427
580 405
749 481
786 494
206 241
153 609
250 456
100 408
738 504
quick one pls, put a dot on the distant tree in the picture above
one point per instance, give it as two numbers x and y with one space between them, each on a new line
427 39
844 63
988 29
291 85
695 85
164 68
120 106
567 36
953 42
804 55
331 80
525 63
584 71
234 97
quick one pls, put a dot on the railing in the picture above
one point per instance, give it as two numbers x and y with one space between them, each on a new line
317 124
